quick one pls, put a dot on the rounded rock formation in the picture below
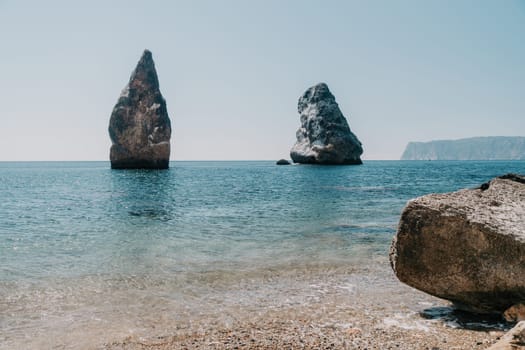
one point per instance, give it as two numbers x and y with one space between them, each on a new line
467 246
139 127
324 136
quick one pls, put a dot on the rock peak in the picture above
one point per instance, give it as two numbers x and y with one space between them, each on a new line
146 53
315 94
139 127
324 136
146 60
145 73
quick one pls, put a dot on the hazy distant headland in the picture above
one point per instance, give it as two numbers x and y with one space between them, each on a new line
475 148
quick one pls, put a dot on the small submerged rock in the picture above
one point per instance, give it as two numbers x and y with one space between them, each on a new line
282 162
467 246
324 136
139 127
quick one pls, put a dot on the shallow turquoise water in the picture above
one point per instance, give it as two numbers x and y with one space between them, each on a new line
76 236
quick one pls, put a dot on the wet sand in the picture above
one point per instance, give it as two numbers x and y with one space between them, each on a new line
304 333
346 312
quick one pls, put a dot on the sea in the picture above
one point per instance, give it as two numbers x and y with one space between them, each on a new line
90 255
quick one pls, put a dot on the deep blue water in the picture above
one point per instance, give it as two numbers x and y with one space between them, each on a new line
65 222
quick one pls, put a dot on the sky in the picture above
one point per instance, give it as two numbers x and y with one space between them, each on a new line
232 71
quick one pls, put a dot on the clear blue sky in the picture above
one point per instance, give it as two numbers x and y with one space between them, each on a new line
232 71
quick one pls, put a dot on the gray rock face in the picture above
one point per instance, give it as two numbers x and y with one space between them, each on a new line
324 136
139 127
466 246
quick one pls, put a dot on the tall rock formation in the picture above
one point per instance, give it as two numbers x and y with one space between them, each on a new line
324 136
466 246
139 127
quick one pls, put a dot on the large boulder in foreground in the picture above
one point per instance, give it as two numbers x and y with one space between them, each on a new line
324 136
466 246
139 127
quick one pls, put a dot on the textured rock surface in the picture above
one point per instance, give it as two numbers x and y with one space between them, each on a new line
515 313
139 126
324 136
466 246
513 340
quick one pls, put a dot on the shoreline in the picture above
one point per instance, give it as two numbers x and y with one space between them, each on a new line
280 330
397 317
312 306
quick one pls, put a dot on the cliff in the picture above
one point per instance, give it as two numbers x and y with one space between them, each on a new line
475 148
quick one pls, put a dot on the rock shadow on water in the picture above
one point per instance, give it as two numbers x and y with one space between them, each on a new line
457 318
144 194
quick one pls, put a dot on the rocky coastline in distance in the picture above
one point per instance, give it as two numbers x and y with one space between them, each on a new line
474 148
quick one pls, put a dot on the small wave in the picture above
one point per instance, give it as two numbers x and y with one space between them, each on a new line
151 213
366 225
405 322
361 188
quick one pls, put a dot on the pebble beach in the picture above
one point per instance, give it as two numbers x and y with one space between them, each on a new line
345 316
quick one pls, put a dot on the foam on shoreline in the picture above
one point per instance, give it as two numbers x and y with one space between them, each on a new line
312 305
